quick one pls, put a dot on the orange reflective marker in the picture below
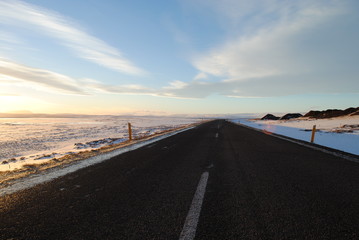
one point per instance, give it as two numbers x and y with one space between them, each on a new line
313 133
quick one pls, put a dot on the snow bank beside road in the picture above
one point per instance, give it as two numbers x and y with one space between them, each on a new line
29 141
301 129
23 182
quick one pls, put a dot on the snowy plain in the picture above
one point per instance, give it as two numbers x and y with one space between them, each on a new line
327 134
42 177
37 140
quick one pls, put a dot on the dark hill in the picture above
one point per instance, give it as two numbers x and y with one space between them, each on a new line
330 113
270 117
290 116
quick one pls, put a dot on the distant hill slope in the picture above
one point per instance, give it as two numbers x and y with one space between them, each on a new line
270 117
330 113
285 117
290 116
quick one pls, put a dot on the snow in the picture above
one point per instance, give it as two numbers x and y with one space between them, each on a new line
26 141
42 177
328 125
327 134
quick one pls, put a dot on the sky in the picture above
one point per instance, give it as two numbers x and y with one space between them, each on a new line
178 57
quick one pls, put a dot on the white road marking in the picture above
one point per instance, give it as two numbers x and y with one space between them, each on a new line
216 135
190 225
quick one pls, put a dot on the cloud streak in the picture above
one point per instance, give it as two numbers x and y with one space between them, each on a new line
285 47
272 50
135 89
56 26
11 72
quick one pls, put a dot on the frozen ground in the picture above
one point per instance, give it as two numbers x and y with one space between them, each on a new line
20 183
340 133
37 140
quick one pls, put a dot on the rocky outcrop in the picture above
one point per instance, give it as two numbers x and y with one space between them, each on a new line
330 113
270 117
285 117
291 116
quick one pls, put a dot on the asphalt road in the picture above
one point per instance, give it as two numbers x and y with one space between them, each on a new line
259 187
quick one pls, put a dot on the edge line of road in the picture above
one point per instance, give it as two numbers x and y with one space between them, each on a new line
190 225
47 176
331 151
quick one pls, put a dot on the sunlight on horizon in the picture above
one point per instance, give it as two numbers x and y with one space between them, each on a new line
23 104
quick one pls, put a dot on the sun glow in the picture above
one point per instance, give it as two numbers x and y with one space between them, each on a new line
22 103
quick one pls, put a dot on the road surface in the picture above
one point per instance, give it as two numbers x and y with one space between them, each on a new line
216 181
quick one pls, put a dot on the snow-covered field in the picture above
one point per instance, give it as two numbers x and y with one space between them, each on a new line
340 133
37 140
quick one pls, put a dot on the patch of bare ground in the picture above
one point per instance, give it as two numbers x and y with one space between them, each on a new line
347 128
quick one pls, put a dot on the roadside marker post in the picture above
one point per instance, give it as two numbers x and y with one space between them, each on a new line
313 133
129 132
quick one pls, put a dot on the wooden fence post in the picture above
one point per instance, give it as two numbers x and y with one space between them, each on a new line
313 133
129 132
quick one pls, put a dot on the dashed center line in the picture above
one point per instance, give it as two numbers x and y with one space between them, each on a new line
216 135
190 225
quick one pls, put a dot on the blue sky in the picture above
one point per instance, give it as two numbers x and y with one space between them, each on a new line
178 57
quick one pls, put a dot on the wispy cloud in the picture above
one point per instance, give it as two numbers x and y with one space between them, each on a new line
176 85
11 72
281 48
69 33
200 76
8 37
97 86
14 74
273 48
